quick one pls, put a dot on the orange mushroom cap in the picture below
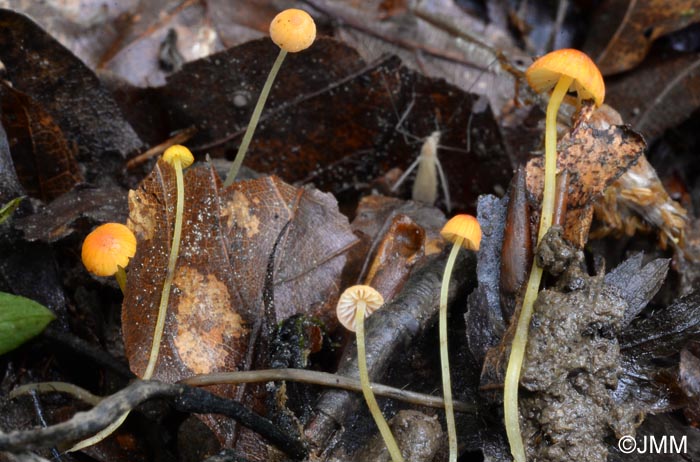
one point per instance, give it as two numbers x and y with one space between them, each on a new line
178 151
351 297
293 30
465 227
107 247
544 73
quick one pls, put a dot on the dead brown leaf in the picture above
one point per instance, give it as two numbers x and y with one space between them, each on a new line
41 68
622 30
334 120
594 156
79 209
227 239
401 248
659 95
44 162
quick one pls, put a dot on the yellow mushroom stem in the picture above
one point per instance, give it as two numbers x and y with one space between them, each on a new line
120 276
384 429
517 351
550 154
257 111
174 252
162 309
444 353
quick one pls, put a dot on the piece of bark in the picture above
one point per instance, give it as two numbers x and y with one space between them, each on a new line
401 248
637 282
484 319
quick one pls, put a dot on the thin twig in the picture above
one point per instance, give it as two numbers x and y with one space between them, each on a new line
57 387
325 379
185 399
180 137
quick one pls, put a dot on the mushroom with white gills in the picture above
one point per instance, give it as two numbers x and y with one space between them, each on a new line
354 305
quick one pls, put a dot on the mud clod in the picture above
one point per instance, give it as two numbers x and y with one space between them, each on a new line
571 368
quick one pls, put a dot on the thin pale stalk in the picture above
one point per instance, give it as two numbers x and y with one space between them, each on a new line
162 309
257 111
120 276
550 155
517 351
167 284
515 363
444 353
384 429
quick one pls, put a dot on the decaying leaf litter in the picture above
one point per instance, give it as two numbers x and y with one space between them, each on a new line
349 131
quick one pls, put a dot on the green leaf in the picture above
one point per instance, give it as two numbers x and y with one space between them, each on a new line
20 320
7 209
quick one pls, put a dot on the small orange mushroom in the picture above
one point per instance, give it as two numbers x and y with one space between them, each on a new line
354 305
178 153
179 157
562 70
292 30
107 250
463 231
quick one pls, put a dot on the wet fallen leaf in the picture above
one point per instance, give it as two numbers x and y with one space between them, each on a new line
375 215
228 236
130 39
218 300
240 21
41 68
43 160
157 38
333 119
648 343
622 31
79 209
594 156
689 380
10 187
659 95
440 39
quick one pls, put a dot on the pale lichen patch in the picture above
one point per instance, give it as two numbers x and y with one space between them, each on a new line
205 321
237 211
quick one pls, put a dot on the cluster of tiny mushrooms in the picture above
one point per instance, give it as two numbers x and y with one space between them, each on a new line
107 250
